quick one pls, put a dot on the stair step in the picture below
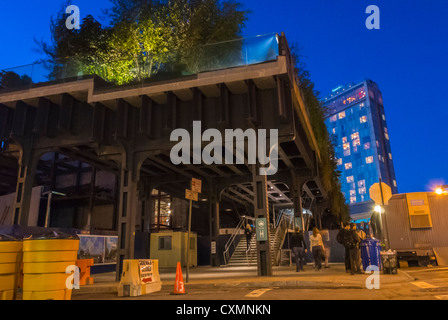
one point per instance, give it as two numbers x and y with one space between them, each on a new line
239 256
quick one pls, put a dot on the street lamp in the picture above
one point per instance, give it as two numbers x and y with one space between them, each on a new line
50 195
378 209
442 190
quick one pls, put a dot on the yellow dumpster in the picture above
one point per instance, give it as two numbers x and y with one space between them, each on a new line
10 266
45 263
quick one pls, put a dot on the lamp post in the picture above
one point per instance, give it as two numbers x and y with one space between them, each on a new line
50 195
442 190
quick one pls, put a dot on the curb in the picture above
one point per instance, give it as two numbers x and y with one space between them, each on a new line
343 283
407 275
287 284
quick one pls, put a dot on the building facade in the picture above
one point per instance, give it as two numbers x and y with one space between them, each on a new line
357 125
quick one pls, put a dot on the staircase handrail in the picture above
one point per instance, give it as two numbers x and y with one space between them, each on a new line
279 218
231 242
280 234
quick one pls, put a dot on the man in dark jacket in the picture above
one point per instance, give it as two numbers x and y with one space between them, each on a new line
342 238
354 241
298 245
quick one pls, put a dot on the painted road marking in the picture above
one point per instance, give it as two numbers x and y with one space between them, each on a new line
257 293
423 285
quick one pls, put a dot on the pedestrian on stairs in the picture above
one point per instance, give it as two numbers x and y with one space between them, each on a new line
248 232
298 245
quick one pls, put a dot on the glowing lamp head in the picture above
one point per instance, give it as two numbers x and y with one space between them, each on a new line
439 191
378 209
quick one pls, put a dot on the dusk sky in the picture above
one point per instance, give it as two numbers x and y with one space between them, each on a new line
407 58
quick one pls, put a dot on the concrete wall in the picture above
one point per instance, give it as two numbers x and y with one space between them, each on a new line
8 201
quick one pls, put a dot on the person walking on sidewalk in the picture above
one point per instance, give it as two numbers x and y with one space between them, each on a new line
327 247
248 232
317 248
298 245
355 255
342 238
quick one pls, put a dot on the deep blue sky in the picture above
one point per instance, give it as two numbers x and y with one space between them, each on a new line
407 57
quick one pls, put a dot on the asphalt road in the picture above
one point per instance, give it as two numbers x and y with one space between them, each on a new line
428 284
423 290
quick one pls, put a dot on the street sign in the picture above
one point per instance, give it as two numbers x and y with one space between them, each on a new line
262 229
298 223
376 190
191 195
196 185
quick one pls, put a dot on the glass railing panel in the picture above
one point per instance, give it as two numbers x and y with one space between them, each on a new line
146 68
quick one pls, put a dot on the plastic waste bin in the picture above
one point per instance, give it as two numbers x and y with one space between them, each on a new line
10 266
45 261
370 253
389 261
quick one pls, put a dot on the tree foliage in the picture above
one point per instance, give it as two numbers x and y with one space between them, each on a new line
328 167
144 37
10 79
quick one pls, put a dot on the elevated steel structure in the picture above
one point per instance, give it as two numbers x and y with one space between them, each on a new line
126 130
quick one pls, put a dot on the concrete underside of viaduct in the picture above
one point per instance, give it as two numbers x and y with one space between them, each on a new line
126 130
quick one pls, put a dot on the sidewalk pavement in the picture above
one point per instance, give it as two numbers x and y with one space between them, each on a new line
333 277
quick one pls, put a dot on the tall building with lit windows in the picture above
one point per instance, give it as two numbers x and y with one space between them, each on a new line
357 125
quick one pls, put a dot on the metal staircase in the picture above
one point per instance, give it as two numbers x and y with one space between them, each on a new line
278 236
243 257
248 258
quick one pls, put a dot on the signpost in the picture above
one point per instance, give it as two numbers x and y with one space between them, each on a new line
196 185
191 194
380 193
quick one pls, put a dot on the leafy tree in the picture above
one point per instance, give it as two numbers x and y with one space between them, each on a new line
144 38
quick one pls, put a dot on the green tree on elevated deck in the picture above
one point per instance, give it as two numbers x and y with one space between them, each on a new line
144 38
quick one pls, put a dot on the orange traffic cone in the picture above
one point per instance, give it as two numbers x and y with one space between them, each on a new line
179 287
